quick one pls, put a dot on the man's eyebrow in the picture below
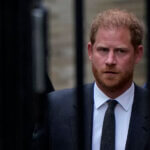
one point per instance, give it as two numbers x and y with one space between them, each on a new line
102 46
123 48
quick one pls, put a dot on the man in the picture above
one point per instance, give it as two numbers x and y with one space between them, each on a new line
114 49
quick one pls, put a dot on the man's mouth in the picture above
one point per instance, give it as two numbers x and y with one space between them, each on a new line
111 72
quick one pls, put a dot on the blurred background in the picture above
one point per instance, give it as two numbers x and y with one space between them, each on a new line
61 62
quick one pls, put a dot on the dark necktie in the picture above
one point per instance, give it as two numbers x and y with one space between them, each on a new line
108 130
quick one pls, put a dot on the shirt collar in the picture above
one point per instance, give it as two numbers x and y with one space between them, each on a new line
125 99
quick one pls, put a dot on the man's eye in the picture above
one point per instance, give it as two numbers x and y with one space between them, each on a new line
120 51
103 49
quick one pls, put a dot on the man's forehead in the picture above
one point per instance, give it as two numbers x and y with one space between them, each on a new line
113 28
102 45
113 33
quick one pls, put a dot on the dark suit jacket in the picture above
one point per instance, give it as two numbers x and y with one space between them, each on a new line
63 116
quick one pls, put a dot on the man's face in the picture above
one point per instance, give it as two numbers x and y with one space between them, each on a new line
113 58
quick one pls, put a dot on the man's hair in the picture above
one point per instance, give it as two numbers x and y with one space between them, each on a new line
115 18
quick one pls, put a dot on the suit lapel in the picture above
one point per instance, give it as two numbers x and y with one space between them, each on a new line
88 116
87 122
139 122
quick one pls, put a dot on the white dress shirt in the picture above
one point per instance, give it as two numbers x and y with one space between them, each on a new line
122 116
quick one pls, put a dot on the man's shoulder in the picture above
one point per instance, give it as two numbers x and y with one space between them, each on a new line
68 93
62 92
142 95
66 98
141 90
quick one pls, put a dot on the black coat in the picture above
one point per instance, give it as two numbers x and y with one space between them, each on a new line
61 132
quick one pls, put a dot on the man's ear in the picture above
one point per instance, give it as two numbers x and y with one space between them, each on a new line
139 53
90 50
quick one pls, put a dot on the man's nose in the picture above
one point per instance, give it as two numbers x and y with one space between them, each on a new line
111 58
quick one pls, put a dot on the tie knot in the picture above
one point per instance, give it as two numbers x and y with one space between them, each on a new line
112 104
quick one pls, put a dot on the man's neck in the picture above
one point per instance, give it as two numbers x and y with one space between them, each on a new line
114 92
